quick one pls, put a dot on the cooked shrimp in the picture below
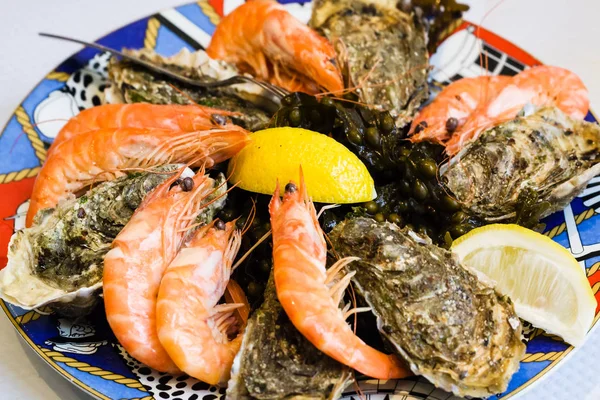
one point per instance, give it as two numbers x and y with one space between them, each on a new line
100 155
262 38
540 86
184 118
192 328
460 100
308 292
133 269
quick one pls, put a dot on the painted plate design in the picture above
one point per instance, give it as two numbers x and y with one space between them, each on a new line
86 352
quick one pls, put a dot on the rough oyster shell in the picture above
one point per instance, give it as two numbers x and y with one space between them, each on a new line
450 327
380 49
20 286
277 362
59 260
546 152
132 84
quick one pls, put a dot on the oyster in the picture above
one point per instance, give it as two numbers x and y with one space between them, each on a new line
133 84
59 260
277 362
380 49
451 328
546 153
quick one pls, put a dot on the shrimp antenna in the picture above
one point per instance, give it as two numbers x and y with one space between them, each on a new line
327 207
209 203
251 249
251 216
357 388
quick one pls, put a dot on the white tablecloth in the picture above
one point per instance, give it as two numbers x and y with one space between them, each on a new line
564 33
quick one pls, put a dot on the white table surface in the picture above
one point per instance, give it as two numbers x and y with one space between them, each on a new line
564 33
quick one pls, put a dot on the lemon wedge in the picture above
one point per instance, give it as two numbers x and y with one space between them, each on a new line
333 174
546 284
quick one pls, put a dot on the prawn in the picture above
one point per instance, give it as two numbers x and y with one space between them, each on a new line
308 292
185 118
460 100
192 328
134 267
264 39
102 155
542 86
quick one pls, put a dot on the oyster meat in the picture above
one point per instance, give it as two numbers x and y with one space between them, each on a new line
277 362
132 83
59 260
450 327
546 153
380 49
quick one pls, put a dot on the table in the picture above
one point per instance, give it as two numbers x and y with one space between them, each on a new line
565 33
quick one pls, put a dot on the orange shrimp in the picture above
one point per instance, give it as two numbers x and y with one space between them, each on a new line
134 267
100 155
262 38
192 328
308 292
185 118
540 86
461 100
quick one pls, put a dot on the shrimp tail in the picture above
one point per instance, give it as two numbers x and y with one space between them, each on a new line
235 295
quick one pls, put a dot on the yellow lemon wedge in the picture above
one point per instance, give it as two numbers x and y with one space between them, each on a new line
332 173
546 284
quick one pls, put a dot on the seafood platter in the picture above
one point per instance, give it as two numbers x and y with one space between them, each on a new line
317 200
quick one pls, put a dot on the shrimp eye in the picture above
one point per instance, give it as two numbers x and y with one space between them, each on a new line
420 126
220 225
451 124
219 119
290 188
187 184
176 183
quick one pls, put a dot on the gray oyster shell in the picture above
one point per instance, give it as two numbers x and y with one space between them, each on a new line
59 260
379 48
546 152
277 362
134 84
451 328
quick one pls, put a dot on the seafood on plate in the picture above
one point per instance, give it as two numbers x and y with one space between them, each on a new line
184 118
193 329
262 38
548 153
104 154
276 362
457 103
380 50
469 106
449 326
310 294
131 83
140 254
59 261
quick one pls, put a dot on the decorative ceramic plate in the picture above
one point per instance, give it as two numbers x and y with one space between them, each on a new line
85 351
